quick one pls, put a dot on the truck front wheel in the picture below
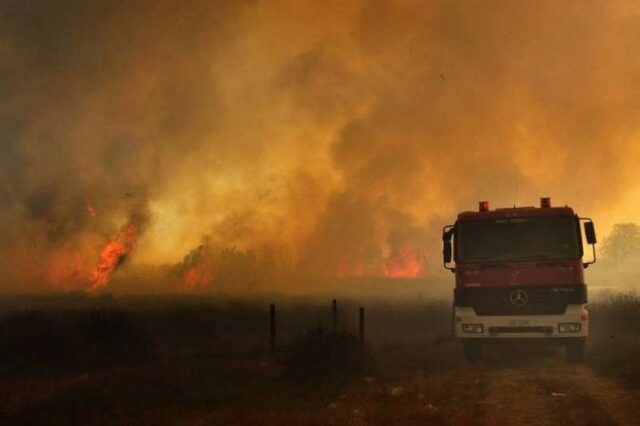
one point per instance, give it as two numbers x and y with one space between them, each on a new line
472 350
575 350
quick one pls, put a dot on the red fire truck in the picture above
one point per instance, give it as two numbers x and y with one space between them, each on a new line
519 274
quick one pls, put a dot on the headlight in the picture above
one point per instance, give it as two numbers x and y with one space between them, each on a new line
472 328
569 327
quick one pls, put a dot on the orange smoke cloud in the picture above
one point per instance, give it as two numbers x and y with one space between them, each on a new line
320 139
66 269
91 211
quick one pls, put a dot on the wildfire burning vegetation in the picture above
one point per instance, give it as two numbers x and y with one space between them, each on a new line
113 255
73 266
400 264
197 277
170 169
303 141
207 268
405 264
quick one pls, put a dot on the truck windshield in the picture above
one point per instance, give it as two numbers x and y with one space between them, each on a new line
515 239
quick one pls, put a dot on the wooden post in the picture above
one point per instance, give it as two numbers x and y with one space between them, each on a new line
361 326
335 315
272 312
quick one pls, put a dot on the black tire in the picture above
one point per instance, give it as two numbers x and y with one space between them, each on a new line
472 350
575 350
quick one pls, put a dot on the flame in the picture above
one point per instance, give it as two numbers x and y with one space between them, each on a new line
399 264
197 277
404 264
112 256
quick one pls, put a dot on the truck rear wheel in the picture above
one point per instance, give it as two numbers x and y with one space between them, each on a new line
472 350
575 350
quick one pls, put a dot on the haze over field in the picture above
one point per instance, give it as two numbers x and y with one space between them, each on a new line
259 139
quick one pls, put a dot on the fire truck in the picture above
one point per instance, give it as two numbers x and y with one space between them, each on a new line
519 274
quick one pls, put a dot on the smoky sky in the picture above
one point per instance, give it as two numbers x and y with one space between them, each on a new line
329 131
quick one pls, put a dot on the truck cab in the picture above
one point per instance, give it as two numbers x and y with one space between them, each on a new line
519 274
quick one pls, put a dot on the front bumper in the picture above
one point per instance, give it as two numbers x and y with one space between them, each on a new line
467 324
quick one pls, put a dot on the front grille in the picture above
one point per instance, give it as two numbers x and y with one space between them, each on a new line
544 330
540 300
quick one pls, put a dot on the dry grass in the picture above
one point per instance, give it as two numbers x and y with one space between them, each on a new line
185 361
614 345
205 361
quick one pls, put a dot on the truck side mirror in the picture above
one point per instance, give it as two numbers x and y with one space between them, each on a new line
590 232
590 236
446 251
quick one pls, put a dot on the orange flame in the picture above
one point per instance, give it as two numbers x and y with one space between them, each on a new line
400 264
404 264
112 256
197 277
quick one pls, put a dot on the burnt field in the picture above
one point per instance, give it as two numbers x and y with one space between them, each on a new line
76 359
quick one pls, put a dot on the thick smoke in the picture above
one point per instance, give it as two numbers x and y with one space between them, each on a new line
318 138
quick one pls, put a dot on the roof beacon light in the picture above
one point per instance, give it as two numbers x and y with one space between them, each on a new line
545 202
483 206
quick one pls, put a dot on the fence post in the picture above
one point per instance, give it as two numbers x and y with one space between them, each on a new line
335 315
272 314
361 326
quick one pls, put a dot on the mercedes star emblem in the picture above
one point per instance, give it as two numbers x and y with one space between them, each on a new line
519 298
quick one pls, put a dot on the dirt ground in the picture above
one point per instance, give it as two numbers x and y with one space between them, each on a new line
414 384
511 386
417 378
